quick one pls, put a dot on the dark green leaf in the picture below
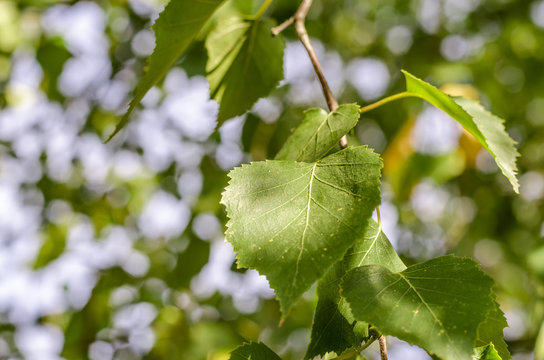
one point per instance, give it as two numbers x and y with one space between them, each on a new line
491 331
253 351
245 62
291 221
484 126
175 29
318 133
333 327
486 353
438 304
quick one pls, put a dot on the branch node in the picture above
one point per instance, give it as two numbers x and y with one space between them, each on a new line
284 25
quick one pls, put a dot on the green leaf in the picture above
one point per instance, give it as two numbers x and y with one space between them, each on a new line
487 128
291 221
437 304
175 29
491 331
319 133
245 62
253 351
333 327
486 353
499 144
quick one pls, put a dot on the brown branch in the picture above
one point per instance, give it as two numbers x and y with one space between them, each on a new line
300 28
383 347
284 25
298 19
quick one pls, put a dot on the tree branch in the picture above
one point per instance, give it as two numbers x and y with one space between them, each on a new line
284 25
298 19
383 347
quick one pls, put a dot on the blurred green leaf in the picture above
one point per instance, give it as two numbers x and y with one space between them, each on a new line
253 351
175 29
245 62
53 245
52 55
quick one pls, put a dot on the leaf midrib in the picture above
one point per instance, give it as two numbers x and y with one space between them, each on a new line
429 309
306 224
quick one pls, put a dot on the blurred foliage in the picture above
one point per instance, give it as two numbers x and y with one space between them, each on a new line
494 47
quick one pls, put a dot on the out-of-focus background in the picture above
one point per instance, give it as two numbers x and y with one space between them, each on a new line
115 251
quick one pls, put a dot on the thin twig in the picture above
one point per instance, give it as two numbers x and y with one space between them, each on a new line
298 19
383 347
284 25
300 28
356 351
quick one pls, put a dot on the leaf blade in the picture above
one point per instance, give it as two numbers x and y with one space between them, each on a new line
244 64
291 221
318 133
486 353
425 304
488 129
178 24
334 327
491 331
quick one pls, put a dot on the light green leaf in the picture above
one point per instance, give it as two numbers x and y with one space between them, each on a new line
175 29
319 133
487 128
491 331
499 144
253 351
333 327
291 221
486 353
245 62
437 304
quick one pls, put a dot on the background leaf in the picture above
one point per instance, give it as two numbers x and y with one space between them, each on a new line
334 326
487 128
253 351
437 304
291 221
245 62
175 29
318 133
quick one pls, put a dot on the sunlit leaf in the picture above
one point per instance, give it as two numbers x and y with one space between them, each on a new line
318 133
291 221
245 62
438 304
175 29
487 128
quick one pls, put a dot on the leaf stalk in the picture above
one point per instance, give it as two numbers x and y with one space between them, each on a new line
388 99
262 9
